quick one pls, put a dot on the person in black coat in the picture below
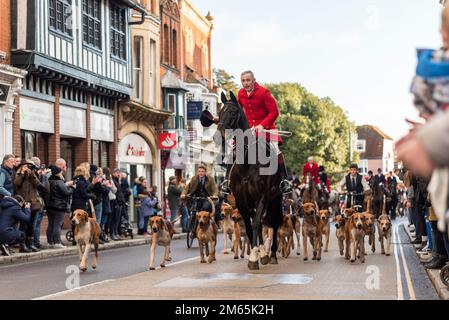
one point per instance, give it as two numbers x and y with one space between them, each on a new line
80 196
14 210
58 206
117 205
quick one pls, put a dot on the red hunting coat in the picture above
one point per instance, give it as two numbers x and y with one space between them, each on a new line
314 172
260 108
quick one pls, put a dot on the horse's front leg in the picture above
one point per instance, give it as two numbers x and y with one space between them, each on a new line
263 252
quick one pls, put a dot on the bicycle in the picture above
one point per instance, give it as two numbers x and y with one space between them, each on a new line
352 195
191 221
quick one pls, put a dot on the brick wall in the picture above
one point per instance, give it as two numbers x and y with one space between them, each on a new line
5 34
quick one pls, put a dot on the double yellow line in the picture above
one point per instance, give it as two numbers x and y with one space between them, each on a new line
397 244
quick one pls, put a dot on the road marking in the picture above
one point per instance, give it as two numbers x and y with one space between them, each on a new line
398 268
72 290
61 293
406 271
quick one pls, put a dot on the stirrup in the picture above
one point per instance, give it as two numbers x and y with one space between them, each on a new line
288 187
225 189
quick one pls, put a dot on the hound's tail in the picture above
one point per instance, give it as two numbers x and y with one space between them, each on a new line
213 206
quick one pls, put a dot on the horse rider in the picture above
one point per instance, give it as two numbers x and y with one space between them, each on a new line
380 177
354 182
262 111
312 168
324 178
201 185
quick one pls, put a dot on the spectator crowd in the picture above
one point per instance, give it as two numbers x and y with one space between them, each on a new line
29 191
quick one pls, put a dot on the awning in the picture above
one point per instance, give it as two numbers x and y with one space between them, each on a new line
171 81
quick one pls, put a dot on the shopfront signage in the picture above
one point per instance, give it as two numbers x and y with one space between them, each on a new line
101 127
194 110
167 140
36 115
72 122
134 149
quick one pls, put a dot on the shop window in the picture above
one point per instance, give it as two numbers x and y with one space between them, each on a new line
67 153
171 107
34 144
100 153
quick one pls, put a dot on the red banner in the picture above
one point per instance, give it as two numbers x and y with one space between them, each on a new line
167 141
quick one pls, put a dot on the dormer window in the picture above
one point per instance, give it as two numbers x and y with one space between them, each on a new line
60 15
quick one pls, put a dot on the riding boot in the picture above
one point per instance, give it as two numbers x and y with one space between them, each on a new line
225 186
285 185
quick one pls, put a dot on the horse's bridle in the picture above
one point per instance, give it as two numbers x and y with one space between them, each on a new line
235 122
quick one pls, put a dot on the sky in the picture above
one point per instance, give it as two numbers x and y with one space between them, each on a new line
360 53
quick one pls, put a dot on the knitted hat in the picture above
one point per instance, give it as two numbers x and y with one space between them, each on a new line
55 170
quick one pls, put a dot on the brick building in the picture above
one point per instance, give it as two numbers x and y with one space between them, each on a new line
10 81
78 60
375 148
197 75
142 115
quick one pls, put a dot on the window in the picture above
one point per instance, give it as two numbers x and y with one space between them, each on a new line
92 23
138 67
361 146
118 32
60 12
175 49
171 107
153 71
100 153
34 144
166 45
363 166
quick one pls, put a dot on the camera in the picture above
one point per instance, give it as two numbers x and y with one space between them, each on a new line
31 166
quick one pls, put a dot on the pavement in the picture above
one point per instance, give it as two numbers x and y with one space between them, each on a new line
382 278
434 275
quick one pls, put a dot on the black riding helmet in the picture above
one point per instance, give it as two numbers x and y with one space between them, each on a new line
206 119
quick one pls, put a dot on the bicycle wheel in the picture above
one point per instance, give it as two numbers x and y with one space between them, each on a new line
191 231
444 275
69 236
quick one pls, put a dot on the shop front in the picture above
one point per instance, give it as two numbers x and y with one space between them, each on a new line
72 123
136 158
102 137
36 126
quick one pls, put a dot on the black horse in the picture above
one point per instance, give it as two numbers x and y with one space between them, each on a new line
257 196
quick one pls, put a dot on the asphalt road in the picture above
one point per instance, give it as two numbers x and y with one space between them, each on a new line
123 274
36 279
